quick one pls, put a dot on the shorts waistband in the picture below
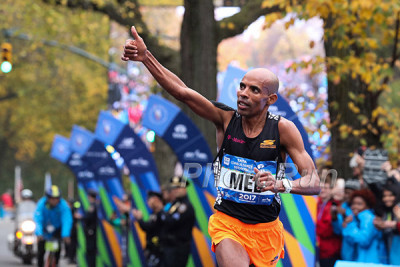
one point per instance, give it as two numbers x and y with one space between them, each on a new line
254 227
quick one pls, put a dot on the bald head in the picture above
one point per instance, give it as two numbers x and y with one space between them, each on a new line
269 80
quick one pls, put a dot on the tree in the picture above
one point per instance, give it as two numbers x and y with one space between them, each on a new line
52 89
361 42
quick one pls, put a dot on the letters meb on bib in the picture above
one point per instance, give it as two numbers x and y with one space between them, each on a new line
235 182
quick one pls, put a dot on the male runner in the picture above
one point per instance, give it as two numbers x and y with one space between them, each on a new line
252 143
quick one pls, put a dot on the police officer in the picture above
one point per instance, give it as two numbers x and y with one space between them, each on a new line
177 225
90 227
152 227
71 247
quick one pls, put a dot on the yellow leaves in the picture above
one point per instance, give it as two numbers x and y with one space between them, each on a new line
271 18
379 18
379 111
289 23
344 131
372 43
271 3
353 107
231 26
336 79
99 2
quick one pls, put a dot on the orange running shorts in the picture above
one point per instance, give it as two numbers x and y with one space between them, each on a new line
263 241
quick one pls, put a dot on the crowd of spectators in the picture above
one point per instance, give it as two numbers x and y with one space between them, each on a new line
358 219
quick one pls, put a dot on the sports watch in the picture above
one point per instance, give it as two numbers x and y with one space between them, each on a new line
287 184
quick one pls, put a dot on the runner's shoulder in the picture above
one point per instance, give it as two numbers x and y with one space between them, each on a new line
226 111
288 131
286 127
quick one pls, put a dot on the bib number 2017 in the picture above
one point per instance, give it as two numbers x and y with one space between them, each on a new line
247 197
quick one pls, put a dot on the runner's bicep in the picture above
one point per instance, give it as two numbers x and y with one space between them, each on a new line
204 108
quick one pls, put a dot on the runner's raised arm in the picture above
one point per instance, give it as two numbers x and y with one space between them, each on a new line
136 50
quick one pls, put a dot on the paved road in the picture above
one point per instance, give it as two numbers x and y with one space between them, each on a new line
7 258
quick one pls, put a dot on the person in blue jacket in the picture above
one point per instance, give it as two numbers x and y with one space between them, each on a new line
339 213
360 231
53 219
387 220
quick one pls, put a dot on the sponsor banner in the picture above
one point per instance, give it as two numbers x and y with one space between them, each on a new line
135 153
197 153
87 176
129 143
108 128
182 132
60 149
99 160
159 114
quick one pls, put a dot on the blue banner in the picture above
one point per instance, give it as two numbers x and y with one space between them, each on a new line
159 114
60 149
135 153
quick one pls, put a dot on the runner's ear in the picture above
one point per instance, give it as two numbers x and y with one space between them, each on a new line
272 99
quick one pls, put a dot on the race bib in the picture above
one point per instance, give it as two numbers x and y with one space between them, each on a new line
235 180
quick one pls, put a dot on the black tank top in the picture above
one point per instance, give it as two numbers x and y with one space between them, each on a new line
233 170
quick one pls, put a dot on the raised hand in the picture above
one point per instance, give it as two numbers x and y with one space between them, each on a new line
134 50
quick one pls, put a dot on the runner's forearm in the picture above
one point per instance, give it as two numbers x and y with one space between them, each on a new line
168 80
306 185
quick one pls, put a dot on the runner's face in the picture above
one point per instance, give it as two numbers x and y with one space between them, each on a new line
252 95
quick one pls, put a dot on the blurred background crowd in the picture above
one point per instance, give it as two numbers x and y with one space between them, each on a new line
358 218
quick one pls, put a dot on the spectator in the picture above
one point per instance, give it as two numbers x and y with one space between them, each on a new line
122 222
357 165
1 210
166 195
90 228
153 228
393 174
387 222
338 191
359 230
178 223
328 241
7 200
70 248
339 213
